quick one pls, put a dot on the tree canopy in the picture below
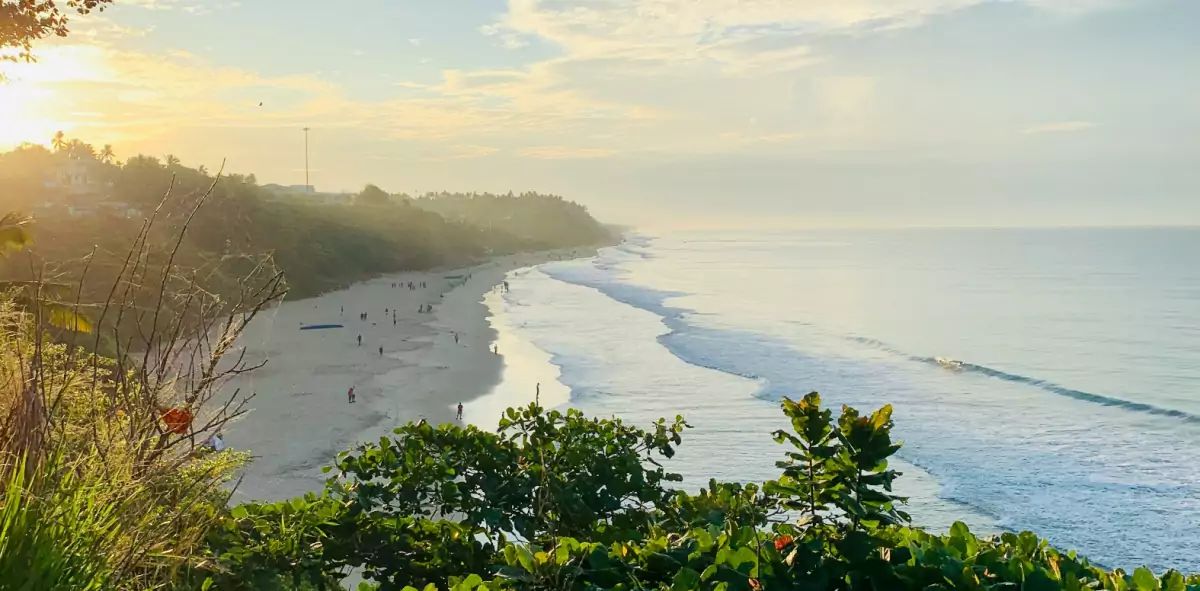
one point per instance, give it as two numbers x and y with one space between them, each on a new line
22 22
373 195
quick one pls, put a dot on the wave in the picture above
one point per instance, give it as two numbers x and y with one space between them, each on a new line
637 245
1043 384
681 338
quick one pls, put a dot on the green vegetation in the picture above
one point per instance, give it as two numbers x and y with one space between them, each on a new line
543 219
555 500
82 197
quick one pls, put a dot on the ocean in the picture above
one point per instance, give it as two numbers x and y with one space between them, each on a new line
1042 379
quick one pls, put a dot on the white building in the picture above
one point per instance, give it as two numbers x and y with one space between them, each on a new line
78 178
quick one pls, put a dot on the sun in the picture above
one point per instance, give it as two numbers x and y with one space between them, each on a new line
21 119
36 99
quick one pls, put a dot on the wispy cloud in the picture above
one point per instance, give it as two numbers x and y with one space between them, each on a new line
1059 127
565 152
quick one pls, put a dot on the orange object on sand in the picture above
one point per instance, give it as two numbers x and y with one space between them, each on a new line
178 420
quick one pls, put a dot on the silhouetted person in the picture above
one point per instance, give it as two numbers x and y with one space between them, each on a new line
381 351
350 395
359 340
459 417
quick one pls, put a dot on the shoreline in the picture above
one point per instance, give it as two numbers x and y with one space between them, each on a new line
300 417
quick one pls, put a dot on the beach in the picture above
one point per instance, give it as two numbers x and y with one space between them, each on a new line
410 365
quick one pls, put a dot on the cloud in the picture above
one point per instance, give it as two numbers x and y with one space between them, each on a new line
189 6
765 32
565 152
460 152
1059 127
508 39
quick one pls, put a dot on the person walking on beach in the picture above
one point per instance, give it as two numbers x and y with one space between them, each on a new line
350 395
459 417
381 351
359 340
455 338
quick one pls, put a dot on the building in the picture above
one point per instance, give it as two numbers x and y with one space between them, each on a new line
78 178
307 194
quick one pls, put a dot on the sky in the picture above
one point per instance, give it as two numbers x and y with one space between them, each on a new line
770 113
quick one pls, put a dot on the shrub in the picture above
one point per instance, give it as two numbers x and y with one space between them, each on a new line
558 501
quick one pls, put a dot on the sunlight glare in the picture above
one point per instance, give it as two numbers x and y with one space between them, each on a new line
36 99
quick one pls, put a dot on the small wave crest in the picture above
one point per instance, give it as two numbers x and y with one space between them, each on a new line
1046 385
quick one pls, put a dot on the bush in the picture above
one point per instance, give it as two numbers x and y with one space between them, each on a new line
558 501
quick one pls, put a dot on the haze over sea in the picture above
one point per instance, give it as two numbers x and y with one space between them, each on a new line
1043 379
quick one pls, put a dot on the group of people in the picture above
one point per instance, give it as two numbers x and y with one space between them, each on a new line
351 398
411 286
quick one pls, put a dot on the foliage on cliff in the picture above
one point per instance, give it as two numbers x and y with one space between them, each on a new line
548 220
320 241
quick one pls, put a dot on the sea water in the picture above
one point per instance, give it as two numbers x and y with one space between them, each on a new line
1042 379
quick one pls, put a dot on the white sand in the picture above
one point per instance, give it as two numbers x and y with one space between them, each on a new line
301 418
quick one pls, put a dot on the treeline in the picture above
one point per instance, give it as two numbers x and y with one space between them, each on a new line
319 242
545 219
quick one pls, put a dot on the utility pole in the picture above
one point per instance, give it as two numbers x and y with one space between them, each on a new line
307 186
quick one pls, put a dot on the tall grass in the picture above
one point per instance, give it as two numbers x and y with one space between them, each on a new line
56 528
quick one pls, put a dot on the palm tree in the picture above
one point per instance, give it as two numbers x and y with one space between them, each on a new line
172 160
59 143
106 154
80 150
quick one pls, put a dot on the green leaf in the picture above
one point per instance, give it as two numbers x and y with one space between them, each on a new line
685 580
1173 581
524 557
1144 580
14 233
65 317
